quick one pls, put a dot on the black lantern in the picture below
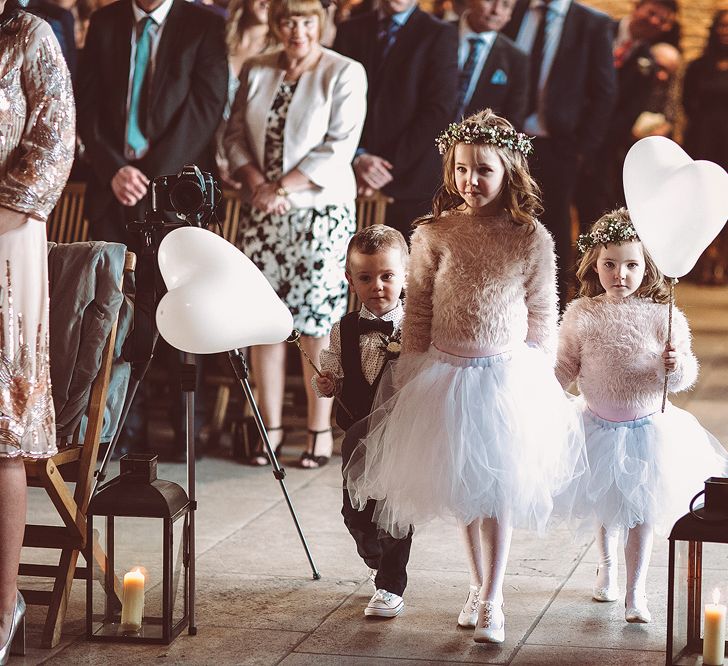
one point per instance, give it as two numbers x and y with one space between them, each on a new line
137 587
697 575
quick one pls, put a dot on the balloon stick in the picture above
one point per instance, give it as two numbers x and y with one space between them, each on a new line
669 336
295 338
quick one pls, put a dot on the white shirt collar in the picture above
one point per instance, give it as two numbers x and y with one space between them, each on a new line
158 15
396 314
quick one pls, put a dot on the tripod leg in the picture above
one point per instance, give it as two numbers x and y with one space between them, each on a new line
241 371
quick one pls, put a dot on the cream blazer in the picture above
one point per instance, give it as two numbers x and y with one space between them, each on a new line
323 125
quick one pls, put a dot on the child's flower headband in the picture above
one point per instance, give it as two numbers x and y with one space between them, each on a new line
471 133
612 230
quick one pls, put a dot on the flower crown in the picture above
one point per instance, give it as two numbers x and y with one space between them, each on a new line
466 132
612 230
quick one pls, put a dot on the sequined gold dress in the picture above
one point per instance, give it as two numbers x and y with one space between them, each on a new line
37 134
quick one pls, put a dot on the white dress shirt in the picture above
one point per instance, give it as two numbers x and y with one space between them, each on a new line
158 16
555 16
373 349
487 38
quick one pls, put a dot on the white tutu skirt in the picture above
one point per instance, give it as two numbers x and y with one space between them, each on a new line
467 437
646 470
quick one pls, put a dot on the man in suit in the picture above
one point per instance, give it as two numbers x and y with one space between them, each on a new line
600 183
411 62
571 92
493 71
152 85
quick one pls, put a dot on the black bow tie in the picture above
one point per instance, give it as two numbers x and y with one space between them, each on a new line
375 325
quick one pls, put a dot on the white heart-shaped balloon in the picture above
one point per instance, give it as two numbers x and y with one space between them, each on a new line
678 206
218 300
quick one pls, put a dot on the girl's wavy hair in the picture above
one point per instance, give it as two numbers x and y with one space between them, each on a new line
654 285
520 195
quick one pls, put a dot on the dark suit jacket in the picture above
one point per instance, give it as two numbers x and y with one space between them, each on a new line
581 88
186 97
508 99
411 96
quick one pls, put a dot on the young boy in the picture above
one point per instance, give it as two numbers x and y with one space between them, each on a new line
361 345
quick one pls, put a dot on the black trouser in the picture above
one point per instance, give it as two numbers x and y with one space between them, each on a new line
554 167
379 550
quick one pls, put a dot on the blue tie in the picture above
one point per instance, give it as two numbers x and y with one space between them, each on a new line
476 46
135 139
387 35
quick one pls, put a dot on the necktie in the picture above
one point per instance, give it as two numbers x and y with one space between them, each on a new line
386 36
537 57
621 52
476 46
375 326
135 138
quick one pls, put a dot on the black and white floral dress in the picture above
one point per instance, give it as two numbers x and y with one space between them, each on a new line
302 253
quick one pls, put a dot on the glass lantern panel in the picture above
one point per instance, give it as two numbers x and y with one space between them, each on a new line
180 550
133 577
709 564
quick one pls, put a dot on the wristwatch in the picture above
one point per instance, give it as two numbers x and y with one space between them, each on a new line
280 190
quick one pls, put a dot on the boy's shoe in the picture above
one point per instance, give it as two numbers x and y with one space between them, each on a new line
469 614
384 604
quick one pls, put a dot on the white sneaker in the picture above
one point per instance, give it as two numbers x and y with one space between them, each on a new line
469 614
384 604
491 626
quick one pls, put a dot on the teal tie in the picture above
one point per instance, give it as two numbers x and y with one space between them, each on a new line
135 139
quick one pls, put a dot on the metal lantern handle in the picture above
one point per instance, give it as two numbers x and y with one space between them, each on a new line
703 518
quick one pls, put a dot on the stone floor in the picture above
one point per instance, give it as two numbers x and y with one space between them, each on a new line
257 602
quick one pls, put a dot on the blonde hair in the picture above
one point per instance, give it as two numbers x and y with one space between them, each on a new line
654 286
376 238
520 195
235 24
285 9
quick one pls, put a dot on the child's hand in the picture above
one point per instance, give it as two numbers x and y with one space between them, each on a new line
669 357
326 384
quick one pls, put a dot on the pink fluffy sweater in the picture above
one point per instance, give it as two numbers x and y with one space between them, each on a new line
613 349
480 285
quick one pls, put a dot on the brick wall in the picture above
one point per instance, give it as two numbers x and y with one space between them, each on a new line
695 17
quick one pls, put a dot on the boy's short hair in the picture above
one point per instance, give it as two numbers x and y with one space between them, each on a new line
376 238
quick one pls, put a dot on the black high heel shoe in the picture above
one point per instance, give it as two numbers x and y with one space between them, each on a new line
258 457
16 638
318 461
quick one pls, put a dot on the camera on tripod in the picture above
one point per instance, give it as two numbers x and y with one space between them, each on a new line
192 194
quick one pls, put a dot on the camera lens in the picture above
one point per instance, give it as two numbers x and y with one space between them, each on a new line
186 196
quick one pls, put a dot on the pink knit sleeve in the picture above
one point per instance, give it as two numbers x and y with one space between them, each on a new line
541 295
417 325
568 358
686 372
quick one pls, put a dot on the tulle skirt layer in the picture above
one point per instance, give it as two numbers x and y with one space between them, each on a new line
493 436
647 470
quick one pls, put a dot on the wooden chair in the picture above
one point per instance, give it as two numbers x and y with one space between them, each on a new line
66 223
74 463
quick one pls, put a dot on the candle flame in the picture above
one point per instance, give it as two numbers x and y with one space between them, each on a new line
716 595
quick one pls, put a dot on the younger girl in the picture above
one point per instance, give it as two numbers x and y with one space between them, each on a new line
479 427
644 465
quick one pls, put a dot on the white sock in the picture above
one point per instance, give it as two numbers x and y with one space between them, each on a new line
607 542
495 537
637 552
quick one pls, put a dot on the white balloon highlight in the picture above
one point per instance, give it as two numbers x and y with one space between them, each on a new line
678 206
218 300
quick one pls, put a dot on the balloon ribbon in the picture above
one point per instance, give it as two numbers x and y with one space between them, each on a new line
669 337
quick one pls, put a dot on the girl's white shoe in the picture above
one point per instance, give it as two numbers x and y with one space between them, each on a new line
469 614
639 613
605 588
491 627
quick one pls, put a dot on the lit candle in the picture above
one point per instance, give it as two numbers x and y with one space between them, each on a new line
714 632
132 603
